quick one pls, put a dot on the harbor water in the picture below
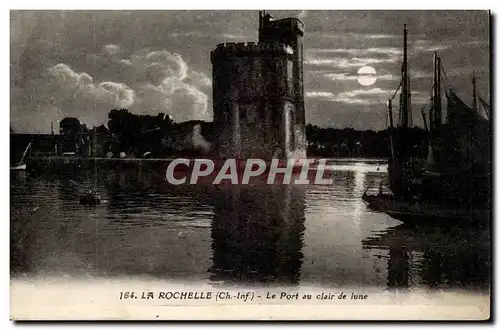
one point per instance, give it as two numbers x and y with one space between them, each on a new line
294 235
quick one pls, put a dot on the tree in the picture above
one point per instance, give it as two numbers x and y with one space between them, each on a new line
138 133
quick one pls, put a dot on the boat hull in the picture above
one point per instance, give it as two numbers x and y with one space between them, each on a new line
418 212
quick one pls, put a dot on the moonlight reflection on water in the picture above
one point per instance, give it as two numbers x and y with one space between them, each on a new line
242 234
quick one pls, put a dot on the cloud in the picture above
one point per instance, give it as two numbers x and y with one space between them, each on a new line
320 95
338 99
362 96
182 101
358 51
416 46
420 46
164 83
237 37
366 97
423 45
147 82
364 92
111 49
62 92
201 35
40 40
189 34
160 65
348 76
198 79
343 62
75 94
354 35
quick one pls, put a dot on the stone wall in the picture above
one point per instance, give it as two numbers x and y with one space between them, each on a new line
255 101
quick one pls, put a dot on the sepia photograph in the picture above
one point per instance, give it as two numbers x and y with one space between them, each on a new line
250 165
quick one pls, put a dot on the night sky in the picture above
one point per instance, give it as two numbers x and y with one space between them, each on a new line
84 63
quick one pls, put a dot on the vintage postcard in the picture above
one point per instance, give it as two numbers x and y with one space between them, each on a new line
250 165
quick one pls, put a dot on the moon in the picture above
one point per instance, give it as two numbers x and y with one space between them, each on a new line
366 76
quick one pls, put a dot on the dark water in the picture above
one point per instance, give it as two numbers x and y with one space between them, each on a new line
272 234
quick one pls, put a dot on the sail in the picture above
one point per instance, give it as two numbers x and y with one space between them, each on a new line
455 167
469 131
460 115
25 152
463 118
484 108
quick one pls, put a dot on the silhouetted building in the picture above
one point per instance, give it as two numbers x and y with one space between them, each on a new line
99 142
41 145
70 126
71 141
258 93
187 138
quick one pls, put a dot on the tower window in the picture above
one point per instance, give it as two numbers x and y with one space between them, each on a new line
289 80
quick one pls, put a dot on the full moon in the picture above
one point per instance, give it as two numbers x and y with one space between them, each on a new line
366 76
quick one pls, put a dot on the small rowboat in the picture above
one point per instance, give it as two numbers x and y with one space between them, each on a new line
90 198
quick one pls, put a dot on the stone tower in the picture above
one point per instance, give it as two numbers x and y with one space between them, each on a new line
258 93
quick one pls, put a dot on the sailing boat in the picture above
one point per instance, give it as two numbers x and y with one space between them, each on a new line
402 160
21 165
451 181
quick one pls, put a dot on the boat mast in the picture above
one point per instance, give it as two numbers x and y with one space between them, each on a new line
424 119
389 107
405 83
436 117
391 126
474 101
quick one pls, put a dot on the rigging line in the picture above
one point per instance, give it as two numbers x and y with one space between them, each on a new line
446 80
386 119
397 90
426 104
443 72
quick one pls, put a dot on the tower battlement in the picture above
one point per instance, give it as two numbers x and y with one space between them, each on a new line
249 48
258 93
291 23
